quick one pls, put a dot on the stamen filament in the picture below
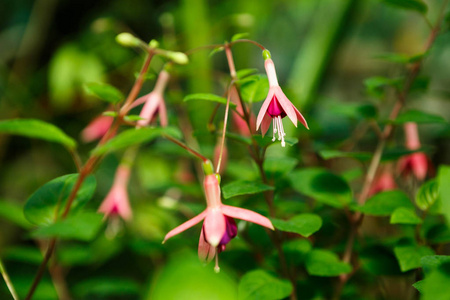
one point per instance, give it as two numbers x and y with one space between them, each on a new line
216 267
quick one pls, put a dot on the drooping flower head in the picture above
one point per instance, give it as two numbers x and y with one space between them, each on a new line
276 106
384 181
415 163
219 226
96 129
116 203
154 102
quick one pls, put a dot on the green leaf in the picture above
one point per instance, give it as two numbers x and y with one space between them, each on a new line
403 215
245 72
259 284
13 213
36 129
110 113
416 5
354 110
239 36
238 188
443 179
46 204
133 118
431 262
427 195
28 254
401 58
104 92
303 224
326 264
83 226
418 116
322 186
277 167
409 256
418 285
435 285
329 154
134 136
375 85
254 88
296 250
395 153
385 203
208 97
216 50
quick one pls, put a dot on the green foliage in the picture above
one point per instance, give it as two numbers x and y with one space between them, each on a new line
444 190
416 5
13 213
428 195
46 204
254 88
375 85
208 97
106 287
409 256
36 129
259 284
238 188
322 186
325 263
435 283
385 203
133 137
329 154
403 215
104 92
239 36
303 224
418 116
83 226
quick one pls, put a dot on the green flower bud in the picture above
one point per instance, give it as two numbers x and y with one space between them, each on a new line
178 57
266 54
208 167
153 44
127 39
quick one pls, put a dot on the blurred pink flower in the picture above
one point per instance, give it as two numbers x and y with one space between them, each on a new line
116 202
383 182
415 163
219 226
276 106
97 128
154 102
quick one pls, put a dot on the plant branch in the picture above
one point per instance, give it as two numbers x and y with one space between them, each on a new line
8 281
186 147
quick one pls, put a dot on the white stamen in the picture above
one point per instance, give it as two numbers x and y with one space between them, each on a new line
281 134
216 267
274 129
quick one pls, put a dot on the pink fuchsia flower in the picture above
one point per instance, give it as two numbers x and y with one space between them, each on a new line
219 226
415 163
276 106
383 182
96 129
154 102
116 202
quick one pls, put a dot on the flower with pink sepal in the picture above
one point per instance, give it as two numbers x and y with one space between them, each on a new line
219 226
96 128
116 203
276 106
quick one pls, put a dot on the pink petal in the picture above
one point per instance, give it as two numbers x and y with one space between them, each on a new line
287 106
162 114
185 225
139 101
264 107
265 124
149 109
246 215
205 251
301 118
214 226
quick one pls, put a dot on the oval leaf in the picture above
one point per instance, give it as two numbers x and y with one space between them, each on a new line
254 88
303 224
104 92
403 215
239 36
238 188
46 204
261 285
208 97
416 5
427 195
409 256
418 116
385 203
36 129
322 186
134 136
326 264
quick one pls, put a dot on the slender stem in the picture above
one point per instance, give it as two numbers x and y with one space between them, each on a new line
76 159
186 147
358 217
8 281
248 41
224 130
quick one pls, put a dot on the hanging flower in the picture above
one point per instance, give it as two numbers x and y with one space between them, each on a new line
116 203
96 129
384 181
219 226
154 102
415 163
276 106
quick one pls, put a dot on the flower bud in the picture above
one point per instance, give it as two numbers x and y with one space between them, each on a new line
178 57
266 54
127 39
153 44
